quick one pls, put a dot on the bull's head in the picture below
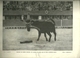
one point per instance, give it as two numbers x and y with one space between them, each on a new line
28 23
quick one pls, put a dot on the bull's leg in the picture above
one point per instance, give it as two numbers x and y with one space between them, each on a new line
39 34
45 36
54 35
49 36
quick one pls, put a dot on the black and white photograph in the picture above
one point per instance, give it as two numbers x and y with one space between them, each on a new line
38 25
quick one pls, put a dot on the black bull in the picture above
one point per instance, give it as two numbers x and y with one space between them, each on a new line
42 27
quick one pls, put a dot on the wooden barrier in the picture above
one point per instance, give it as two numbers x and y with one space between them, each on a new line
67 23
24 27
18 24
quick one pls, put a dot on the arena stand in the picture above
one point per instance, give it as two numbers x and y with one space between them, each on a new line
12 19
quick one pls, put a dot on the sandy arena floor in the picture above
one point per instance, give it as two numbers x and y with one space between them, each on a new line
13 37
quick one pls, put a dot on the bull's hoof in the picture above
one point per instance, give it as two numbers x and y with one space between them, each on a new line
49 41
54 39
37 40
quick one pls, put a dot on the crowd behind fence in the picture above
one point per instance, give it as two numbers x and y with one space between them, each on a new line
37 5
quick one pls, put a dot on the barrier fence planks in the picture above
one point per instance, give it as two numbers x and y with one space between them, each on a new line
17 24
